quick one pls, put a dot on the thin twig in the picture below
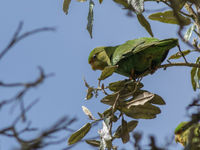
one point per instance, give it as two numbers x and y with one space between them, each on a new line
179 64
25 111
198 34
16 37
181 53
115 103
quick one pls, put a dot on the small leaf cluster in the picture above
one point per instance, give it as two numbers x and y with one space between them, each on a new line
90 16
125 98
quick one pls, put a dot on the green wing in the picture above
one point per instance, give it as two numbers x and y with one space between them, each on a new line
142 54
131 47
162 44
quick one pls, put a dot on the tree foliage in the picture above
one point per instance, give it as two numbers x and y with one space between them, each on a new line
126 97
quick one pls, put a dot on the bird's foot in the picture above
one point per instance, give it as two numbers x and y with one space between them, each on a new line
153 70
132 76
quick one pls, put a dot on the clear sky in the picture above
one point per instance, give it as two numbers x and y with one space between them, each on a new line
65 53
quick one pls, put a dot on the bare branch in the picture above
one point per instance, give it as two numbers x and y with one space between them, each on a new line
179 64
16 37
24 111
43 138
27 86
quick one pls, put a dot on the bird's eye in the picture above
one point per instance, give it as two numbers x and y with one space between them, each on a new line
94 57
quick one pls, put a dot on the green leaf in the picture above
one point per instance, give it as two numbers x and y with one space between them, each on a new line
168 17
128 84
131 126
90 91
193 72
86 84
146 111
79 134
124 134
179 55
140 99
125 89
157 100
90 18
195 76
142 20
109 99
189 32
178 4
134 5
181 3
107 71
107 112
94 143
122 2
116 86
66 4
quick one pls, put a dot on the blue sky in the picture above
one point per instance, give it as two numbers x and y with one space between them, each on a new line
65 53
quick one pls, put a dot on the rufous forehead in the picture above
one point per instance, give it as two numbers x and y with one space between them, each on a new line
91 61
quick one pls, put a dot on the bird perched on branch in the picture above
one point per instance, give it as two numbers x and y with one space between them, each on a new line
188 134
134 58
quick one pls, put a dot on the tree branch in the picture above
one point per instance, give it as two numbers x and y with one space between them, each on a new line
16 37
179 64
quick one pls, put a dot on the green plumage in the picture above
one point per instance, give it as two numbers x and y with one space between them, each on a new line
135 56
188 134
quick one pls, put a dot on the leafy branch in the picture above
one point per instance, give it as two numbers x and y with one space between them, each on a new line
126 97
179 64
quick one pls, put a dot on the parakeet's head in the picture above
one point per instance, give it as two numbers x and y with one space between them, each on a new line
180 127
179 136
98 58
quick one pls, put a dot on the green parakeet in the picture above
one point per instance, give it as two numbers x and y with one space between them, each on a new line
188 134
133 58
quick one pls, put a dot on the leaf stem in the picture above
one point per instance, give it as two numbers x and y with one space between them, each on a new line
181 53
179 64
